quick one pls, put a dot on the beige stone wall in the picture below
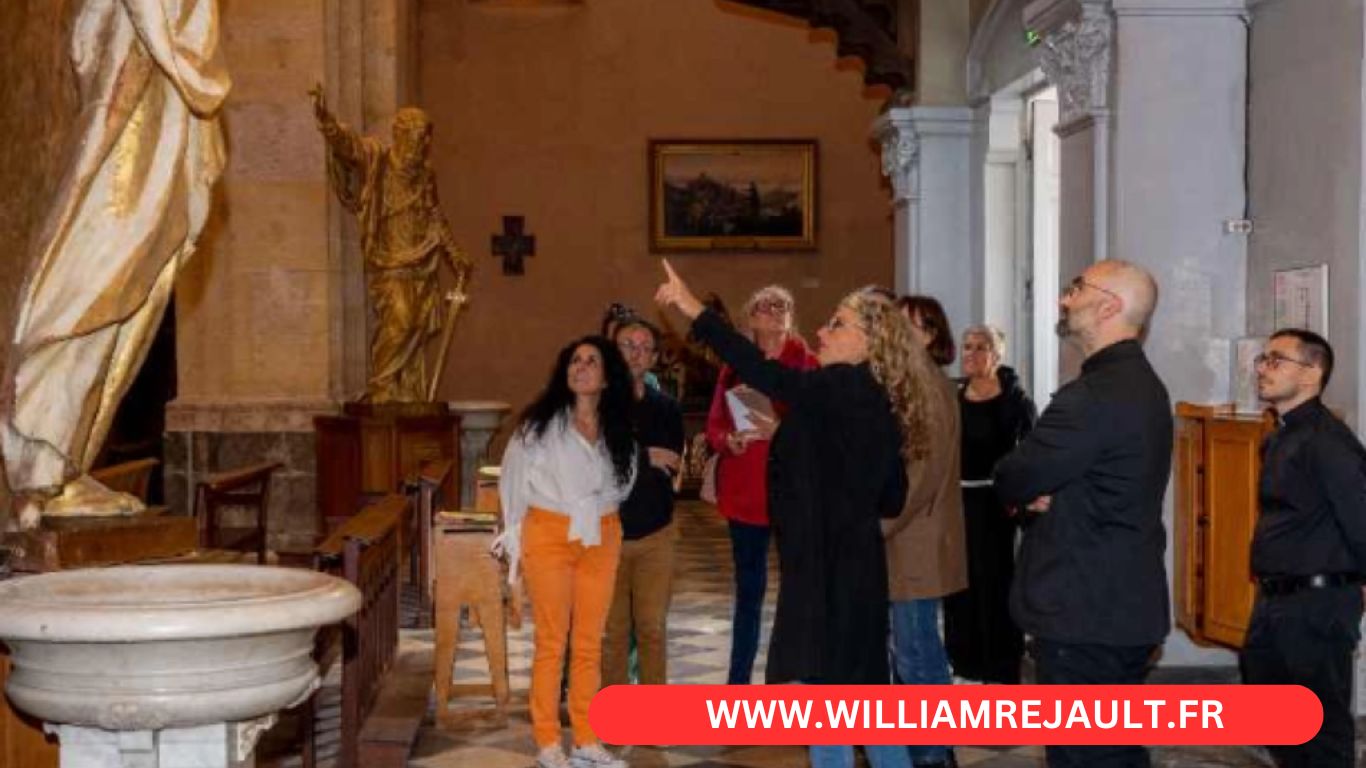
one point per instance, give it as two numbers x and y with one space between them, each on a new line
945 31
37 114
253 306
546 113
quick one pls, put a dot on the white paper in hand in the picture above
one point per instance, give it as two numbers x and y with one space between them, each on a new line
739 412
742 402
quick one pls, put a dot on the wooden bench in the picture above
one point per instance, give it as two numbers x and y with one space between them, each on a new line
247 487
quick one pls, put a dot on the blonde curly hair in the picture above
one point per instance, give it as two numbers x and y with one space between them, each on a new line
902 367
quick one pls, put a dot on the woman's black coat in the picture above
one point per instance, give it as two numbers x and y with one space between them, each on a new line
835 468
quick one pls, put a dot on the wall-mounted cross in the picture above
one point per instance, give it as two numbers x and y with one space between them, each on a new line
513 245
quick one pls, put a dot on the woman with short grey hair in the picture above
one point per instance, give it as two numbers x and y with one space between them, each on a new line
983 642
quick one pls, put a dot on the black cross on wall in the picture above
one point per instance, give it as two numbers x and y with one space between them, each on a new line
512 245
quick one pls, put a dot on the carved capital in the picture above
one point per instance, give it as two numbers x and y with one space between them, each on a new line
1076 58
900 153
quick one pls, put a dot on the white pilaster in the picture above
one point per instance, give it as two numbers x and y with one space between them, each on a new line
1076 56
926 152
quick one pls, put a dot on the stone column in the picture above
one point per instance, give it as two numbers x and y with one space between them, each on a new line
368 76
926 153
999 229
271 316
254 305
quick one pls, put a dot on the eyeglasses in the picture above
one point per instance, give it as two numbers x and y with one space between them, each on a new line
770 307
1080 284
630 347
1273 361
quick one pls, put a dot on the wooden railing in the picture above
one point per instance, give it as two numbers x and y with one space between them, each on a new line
365 551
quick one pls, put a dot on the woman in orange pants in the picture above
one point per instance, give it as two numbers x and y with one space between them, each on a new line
570 463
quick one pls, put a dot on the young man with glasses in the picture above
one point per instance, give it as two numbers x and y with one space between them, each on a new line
1090 582
1309 548
644 586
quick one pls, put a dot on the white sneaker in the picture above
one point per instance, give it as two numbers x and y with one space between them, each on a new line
595 756
552 757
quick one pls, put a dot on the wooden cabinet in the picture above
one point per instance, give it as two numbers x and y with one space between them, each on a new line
1217 462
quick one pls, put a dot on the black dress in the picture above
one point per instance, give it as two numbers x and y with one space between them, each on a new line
834 469
982 640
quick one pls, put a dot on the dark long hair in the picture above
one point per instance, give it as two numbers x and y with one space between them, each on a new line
614 405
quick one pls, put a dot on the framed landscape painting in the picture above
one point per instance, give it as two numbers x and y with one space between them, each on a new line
714 195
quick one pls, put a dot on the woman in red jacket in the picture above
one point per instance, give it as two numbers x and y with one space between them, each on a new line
741 487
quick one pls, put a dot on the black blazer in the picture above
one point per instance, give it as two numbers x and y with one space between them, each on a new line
1091 568
835 468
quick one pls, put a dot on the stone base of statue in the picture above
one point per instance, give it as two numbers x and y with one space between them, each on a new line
373 449
89 524
479 421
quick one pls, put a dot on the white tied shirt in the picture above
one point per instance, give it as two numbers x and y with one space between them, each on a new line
559 472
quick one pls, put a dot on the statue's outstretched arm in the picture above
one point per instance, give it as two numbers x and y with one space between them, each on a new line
341 140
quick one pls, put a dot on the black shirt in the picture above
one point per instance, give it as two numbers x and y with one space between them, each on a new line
1091 568
1312 496
992 427
659 424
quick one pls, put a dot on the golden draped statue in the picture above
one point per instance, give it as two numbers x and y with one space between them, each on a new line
404 237
133 199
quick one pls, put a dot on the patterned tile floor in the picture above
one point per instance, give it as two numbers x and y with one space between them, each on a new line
699 648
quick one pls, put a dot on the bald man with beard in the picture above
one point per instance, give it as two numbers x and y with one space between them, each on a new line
1090 585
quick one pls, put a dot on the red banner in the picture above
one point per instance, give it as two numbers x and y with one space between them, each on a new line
960 715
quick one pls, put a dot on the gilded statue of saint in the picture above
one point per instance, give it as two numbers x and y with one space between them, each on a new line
404 239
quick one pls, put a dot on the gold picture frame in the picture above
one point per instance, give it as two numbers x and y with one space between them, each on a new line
732 195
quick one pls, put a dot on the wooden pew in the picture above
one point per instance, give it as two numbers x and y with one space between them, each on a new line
384 694
246 487
365 551
426 490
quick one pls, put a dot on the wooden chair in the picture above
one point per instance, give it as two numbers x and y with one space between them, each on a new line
248 487
468 576
130 477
